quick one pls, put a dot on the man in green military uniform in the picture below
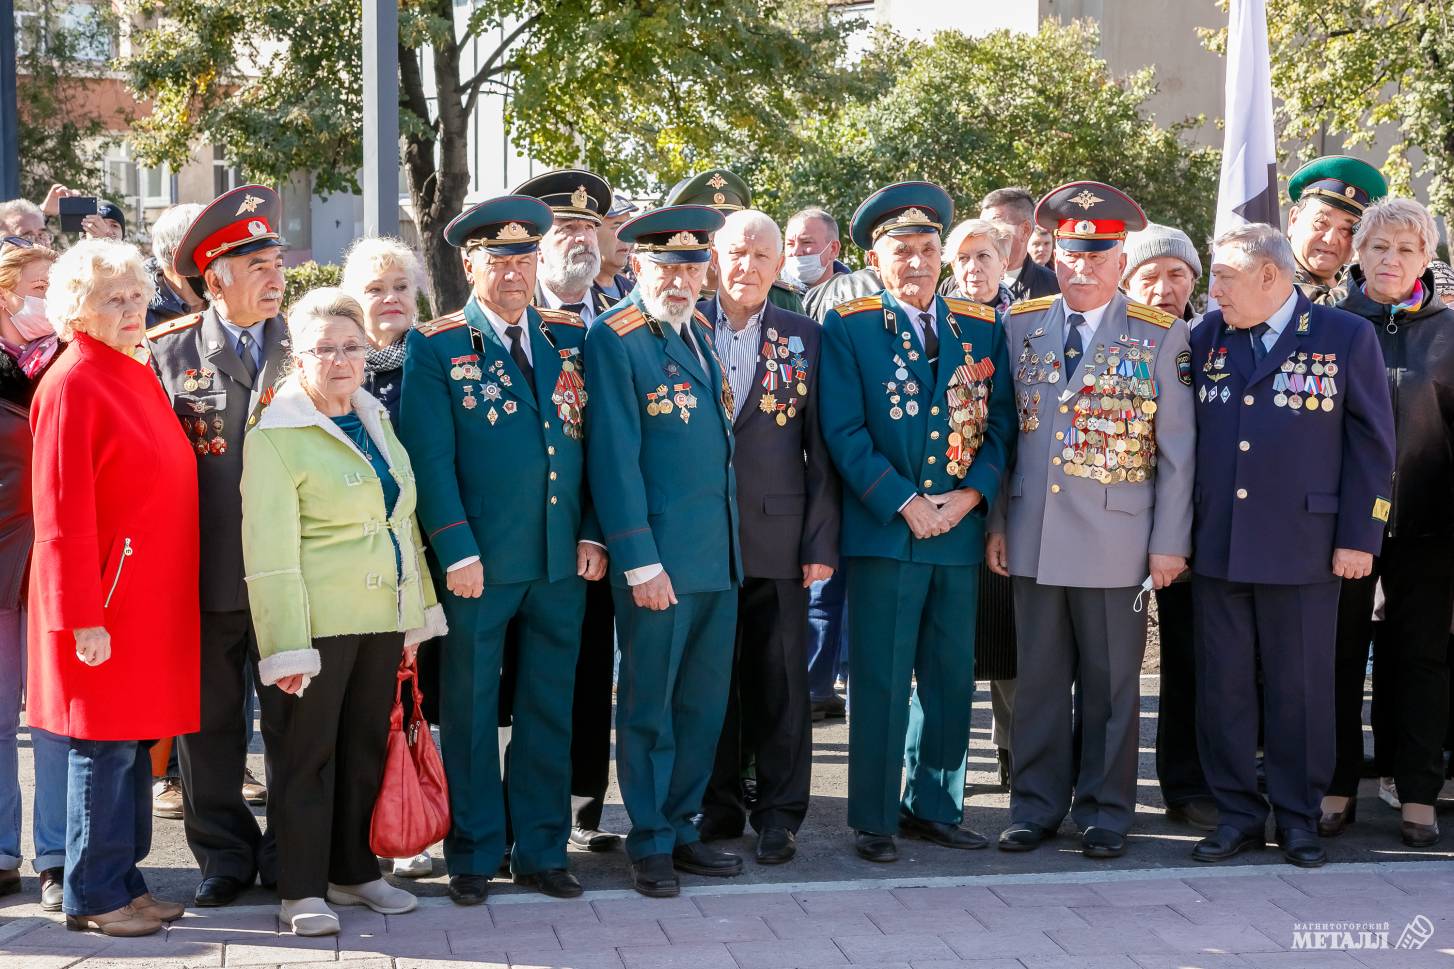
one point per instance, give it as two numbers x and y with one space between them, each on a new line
492 412
727 193
1328 197
660 463
918 416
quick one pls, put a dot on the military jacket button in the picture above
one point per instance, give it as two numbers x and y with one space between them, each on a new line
1241 492
1245 445
1055 489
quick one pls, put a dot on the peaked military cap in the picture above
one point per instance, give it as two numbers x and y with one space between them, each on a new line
1345 183
902 208
621 205
674 233
1088 216
717 187
243 220
571 193
504 225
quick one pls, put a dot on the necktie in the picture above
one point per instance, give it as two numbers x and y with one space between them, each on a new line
245 354
576 308
517 352
1259 349
931 341
1074 346
686 332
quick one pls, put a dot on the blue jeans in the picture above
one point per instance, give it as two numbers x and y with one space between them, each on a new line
48 807
827 635
108 824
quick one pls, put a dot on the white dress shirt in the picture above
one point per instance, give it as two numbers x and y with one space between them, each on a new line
1279 320
738 351
1090 326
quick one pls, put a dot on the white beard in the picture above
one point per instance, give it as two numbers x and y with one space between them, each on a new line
574 274
657 307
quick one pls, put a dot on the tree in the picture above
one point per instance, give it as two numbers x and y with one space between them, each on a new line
640 91
977 113
1360 69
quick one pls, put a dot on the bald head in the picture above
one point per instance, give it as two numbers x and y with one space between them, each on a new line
749 252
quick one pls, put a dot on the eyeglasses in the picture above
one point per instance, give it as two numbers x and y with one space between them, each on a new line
19 242
349 351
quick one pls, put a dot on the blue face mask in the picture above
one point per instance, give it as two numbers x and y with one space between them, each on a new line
805 269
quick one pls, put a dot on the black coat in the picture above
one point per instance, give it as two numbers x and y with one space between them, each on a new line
1418 353
1034 281
17 528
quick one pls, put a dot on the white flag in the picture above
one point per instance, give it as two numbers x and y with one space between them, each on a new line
1247 191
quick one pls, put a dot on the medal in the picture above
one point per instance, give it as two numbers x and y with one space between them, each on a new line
896 413
911 408
1327 404
456 372
470 403
492 416
189 385
217 446
802 389
782 419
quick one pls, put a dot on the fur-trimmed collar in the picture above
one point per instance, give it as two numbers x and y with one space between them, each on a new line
292 407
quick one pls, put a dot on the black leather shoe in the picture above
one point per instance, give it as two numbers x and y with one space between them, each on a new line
593 840
700 859
219 890
875 847
1197 812
776 846
1026 836
939 833
1102 843
555 882
52 889
1416 835
654 877
831 708
709 830
1227 842
1302 848
1330 825
468 889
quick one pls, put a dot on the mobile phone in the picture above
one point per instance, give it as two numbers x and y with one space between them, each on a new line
75 208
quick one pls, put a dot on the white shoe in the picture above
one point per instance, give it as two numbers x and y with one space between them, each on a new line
1388 793
378 895
419 866
308 916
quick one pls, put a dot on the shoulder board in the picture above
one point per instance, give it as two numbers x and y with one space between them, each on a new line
442 324
627 320
859 305
563 317
1033 305
968 307
1149 314
785 287
702 318
174 326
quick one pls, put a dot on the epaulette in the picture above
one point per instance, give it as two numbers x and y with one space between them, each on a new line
1149 314
627 320
174 326
1033 305
788 288
702 319
563 317
968 307
442 324
859 305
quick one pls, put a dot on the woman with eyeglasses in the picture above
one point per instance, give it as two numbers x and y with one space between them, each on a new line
339 592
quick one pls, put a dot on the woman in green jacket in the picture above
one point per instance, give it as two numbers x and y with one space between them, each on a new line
339 590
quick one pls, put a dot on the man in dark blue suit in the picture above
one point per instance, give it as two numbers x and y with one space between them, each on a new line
1294 461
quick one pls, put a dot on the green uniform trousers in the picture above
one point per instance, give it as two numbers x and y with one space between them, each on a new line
549 622
671 697
908 619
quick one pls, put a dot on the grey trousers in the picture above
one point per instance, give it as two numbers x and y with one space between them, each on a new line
1002 709
1066 635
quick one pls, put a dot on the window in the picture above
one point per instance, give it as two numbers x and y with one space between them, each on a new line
225 176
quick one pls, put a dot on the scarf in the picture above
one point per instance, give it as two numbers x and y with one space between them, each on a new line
390 357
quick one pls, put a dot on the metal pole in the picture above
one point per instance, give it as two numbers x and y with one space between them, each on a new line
380 116
9 126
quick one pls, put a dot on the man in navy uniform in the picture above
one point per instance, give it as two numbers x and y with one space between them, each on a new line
613 282
919 418
662 483
1295 453
788 499
492 411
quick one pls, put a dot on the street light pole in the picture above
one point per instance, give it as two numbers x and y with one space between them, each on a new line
9 125
380 116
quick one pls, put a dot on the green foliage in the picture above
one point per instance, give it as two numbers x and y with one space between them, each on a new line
308 276
1361 70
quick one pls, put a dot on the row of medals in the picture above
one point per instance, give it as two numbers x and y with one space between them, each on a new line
1111 439
681 402
198 428
968 416
569 398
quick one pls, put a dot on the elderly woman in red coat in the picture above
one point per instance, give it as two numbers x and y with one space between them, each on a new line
113 592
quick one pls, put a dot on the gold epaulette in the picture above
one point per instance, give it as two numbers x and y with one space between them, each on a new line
442 324
627 320
1149 314
968 307
1033 305
174 326
859 304
702 319
563 317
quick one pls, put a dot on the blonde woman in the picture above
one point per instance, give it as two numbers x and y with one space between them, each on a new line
382 274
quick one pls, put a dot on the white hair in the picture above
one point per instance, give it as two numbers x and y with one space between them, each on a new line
17 207
745 222
81 269
999 235
372 256
1393 214
167 232
1254 243
319 306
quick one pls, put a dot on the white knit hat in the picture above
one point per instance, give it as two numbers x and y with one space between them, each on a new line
1160 240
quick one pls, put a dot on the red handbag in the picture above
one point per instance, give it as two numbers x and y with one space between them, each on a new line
412 809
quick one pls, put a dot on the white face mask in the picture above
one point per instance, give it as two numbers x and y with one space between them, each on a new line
31 320
805 269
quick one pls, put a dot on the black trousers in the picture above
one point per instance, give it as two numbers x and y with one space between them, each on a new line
769 712
1178 764
331 764
1411 668
220 828
590 745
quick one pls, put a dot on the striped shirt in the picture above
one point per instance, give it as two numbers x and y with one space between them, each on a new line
737 351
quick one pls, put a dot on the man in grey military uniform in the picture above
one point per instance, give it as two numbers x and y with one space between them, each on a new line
1098 509
220 367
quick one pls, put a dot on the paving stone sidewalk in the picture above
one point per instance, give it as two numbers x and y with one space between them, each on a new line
1178 919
